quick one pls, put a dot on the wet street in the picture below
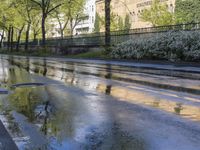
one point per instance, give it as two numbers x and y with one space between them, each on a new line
66 104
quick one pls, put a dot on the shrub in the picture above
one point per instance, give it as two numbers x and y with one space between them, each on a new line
172 46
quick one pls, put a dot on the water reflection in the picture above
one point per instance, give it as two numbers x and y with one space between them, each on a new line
160 100
25 100
134 96
136 75
164 82
36 104
108 76
178 108
164 103
3 71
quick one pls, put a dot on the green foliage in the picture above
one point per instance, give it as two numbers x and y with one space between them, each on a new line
68 15
17 13
120 23
74 8
127 22
117 22
8 14
187 11
20 14
114 21
97 23
158 14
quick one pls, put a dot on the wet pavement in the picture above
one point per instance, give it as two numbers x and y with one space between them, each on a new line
84 104
6 142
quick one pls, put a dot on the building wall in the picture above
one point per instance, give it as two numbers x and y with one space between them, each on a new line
131 7
86 25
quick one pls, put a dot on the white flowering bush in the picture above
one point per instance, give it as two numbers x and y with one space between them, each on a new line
194 52
172 46
130 49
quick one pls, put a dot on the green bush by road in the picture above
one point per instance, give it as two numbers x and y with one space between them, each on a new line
172 46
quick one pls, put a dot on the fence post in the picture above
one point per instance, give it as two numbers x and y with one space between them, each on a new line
2 44
184 27
197 26
38 42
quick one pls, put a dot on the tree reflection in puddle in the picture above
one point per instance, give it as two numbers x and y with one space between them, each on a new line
25 100
59 122
35 104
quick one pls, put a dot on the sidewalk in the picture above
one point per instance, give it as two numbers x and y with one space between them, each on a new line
6 142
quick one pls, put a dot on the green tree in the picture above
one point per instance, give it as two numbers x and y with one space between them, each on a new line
187 11
127 22
35 27
46 7
120 23
158 14
9 21
27 11
69 15
97 24
3 21
116 22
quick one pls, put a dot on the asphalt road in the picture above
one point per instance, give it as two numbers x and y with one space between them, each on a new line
90 104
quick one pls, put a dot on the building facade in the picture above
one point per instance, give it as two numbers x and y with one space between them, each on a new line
131 7
53 28
86 24
82 25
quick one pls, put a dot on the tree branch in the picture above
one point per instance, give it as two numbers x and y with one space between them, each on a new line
37 3
53 8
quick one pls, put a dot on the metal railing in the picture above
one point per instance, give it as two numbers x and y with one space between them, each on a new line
98 39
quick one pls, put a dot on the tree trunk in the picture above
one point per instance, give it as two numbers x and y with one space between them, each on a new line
27 36
43 31
2 37
61 28
34 36
71 28
8 39
62 33
19 38
12 35
71 32
107 23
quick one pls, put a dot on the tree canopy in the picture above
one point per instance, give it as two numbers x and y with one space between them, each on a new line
187 11
158 14
25 19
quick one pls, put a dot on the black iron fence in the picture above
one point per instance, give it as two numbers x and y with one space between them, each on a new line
98 39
